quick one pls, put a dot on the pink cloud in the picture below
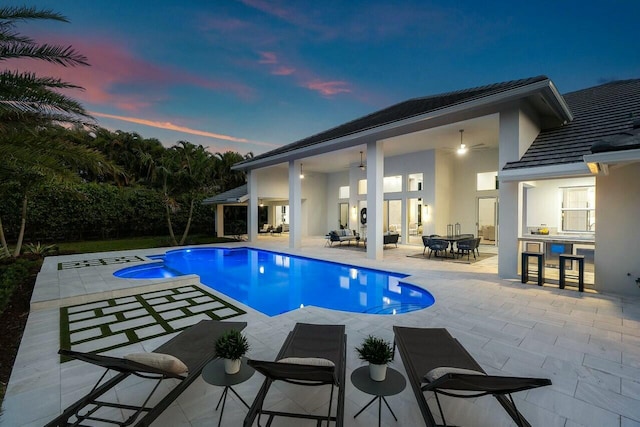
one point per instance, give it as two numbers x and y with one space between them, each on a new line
113 65
327 88
178 128
268 58
283 71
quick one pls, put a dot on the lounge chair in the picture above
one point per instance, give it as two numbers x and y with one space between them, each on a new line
195 347
437 362
312 355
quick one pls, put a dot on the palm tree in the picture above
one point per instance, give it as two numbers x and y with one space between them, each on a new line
27 99
30 104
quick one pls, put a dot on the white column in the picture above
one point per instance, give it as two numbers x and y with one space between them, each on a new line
219 220
295 205
516 132
252 212
375 196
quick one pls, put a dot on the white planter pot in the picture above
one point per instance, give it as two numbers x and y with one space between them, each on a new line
232 366
377 372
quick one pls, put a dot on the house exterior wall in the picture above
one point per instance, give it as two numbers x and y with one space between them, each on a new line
464 189
333 183
617 241
518 129
441 213
314 204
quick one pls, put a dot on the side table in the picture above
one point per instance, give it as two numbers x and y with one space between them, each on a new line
214 374
394 383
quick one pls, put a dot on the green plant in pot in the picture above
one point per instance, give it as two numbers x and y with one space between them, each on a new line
378 353
231 346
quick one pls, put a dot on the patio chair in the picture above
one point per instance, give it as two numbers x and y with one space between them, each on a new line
438 245
468 246
312 355
426 241
195 347
437 362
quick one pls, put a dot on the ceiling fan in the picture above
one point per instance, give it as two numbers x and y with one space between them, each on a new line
463 148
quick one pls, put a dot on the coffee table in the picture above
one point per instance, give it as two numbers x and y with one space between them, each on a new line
394 383
214 374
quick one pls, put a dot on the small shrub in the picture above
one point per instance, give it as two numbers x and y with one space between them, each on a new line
232 345
375 350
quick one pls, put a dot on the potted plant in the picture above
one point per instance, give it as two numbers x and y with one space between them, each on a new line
231 346
378 353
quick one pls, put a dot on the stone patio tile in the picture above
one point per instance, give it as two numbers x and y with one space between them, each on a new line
188 321
205 307
123 307
605 399
132 323
168 315
170 306
89 306
575 409
74 326
101 343
149 331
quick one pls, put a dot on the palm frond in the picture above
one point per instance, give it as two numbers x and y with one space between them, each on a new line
23 13
62 55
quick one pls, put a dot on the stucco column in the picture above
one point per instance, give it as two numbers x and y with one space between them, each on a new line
375 195
219 220
518 129
252 212
295 205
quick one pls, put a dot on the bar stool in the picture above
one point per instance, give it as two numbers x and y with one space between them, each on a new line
525 266
563 275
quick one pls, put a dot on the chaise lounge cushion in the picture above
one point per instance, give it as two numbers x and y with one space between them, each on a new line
166 362
311 361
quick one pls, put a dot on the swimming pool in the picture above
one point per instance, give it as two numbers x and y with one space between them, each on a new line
274 283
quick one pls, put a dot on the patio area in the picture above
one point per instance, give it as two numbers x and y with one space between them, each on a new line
587 344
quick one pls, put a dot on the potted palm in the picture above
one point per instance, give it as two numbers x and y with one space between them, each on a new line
378 353
231 346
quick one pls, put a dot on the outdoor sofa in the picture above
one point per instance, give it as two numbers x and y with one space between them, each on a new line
344 235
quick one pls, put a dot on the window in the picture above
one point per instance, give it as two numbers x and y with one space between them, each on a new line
414 182
362 186
343 192
487 181
578 209
392 184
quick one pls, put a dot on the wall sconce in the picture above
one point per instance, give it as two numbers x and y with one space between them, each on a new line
260 203
301 173
425 210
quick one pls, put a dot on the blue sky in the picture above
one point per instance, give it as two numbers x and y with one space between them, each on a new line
252 75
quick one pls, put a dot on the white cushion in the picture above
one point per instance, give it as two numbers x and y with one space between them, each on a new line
314 361
436 373
347 232
166 362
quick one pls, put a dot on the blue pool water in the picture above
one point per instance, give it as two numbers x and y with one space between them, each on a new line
274 283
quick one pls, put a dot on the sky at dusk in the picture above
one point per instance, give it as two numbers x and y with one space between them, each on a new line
252 75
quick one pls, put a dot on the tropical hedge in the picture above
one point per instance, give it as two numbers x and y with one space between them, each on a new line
87 211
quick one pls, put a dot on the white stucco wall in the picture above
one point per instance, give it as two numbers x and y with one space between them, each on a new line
442 213
617 260
314 204
544 201
464 189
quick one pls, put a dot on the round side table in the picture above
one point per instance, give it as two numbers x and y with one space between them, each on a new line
214 374
394 383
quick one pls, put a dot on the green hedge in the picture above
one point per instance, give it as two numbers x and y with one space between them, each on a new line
98 211
12 274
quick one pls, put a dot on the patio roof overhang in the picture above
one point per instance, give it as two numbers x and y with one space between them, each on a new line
543 95
234 196
599 163
544 172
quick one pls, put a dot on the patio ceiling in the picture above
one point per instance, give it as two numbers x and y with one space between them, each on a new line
481 130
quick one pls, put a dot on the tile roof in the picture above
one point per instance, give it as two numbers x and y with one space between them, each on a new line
232 196
403 110
599 112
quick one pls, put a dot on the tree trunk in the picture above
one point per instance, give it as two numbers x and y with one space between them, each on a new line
23 223
186 229
3 241
171 234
